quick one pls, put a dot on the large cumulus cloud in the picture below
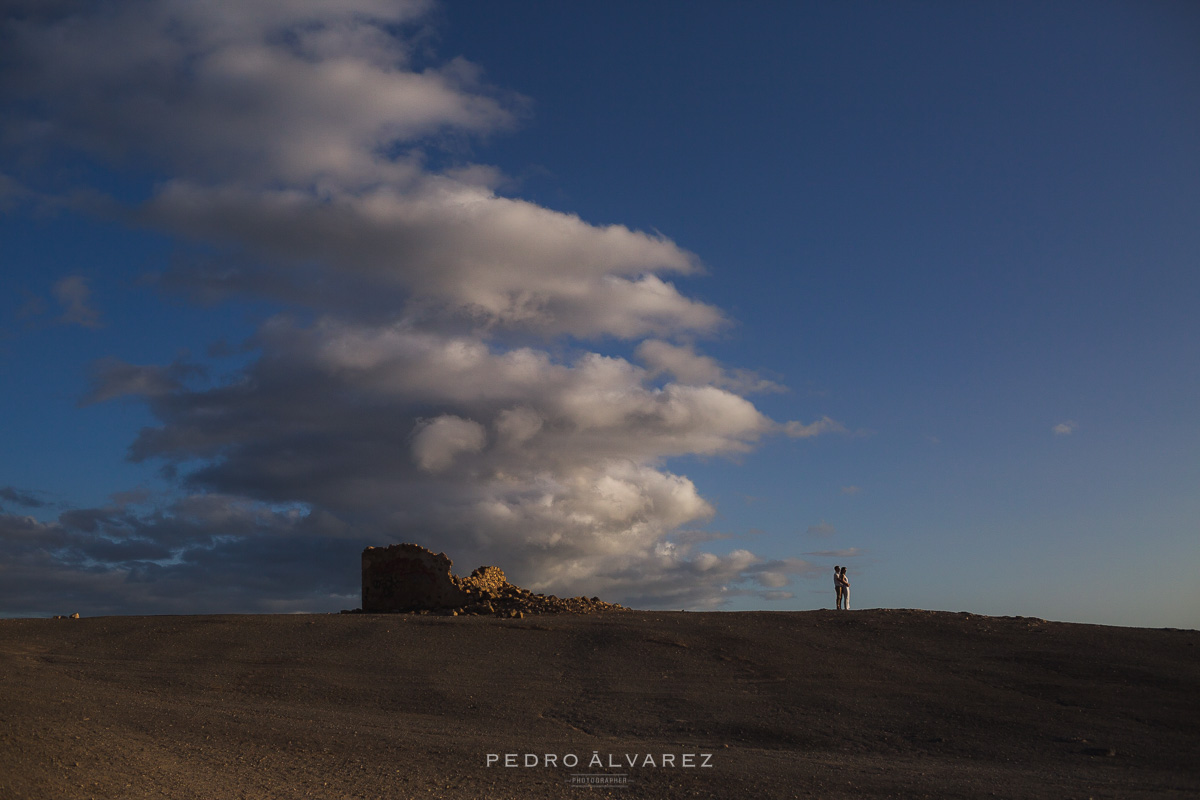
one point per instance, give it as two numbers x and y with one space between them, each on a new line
439 377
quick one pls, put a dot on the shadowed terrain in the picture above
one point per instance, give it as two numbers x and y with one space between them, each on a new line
876 703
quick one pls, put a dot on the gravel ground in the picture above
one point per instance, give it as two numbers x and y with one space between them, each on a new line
874 703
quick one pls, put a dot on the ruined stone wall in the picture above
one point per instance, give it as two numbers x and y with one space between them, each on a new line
406 577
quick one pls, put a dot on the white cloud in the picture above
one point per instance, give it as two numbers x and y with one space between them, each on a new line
293 133
442 248
516 426
798 430
773 580
242 89
438 441
1065 428
689 367
568 493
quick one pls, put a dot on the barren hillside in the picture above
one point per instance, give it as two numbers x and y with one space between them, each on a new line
884 703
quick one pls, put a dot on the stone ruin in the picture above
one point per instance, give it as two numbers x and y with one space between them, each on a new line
410 578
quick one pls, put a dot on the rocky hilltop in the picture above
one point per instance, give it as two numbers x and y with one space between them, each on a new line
408 578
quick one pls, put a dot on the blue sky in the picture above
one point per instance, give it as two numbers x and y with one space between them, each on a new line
954 246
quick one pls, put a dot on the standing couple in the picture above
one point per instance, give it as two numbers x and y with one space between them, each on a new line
841 587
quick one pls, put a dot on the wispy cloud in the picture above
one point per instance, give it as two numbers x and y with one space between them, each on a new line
11 192
822 528
33 307
111 378
21 497
74 295
849 552
689 367
690 538
851 490
1065 428
798 430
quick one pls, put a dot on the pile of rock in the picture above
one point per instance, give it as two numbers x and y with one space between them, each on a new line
513 601
409 578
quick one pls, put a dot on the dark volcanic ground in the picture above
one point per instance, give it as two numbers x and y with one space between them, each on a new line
885 703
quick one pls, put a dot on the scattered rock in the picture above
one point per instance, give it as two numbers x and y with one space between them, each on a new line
1105 752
